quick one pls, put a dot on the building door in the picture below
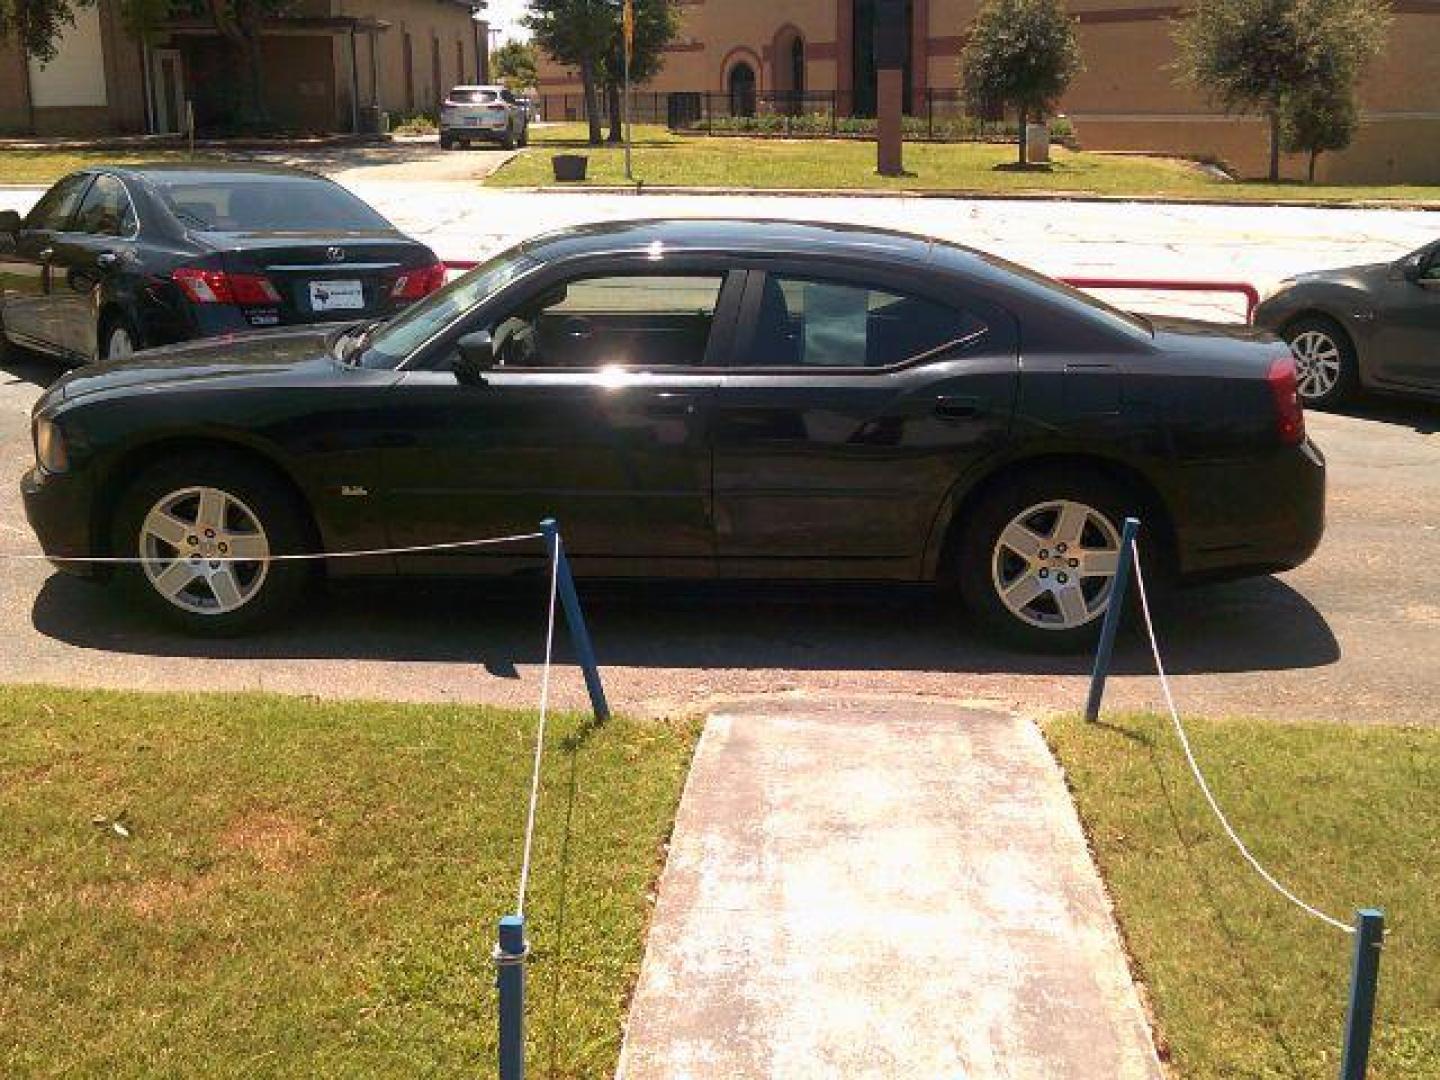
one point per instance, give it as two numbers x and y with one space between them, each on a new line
742 90
167 92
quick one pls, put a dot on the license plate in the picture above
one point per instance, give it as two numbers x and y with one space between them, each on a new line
472 121
336 296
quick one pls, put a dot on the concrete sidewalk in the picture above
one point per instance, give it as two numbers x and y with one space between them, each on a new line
881 889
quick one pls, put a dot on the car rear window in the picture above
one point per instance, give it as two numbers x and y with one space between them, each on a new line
268 204
473 97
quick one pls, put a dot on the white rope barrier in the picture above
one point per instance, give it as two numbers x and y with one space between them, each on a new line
540 731
1269 878
414 549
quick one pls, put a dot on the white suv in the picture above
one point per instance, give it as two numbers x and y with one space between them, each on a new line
493 113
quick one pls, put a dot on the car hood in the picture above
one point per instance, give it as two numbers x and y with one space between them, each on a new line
1347 275
232 356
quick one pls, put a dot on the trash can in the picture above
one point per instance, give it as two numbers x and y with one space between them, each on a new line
570 168
1037 143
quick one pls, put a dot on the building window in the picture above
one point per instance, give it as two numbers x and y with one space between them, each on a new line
742 90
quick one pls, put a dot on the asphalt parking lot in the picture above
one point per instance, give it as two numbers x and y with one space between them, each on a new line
1353 636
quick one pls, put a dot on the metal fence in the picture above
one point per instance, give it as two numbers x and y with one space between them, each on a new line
937 115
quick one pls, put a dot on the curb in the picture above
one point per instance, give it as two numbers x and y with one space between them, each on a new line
974 196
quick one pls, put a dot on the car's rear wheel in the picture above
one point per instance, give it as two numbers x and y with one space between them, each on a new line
1036 562
446 142
207 528
509 140
1325 360
116 339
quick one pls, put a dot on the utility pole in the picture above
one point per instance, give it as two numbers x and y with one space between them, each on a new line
629 20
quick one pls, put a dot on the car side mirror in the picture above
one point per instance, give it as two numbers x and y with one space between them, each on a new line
477 356
1412 267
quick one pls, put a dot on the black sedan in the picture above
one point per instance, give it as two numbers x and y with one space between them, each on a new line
697 399
115 259
1362 328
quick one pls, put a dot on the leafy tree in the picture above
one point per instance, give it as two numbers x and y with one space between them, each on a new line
514 64
38 24
577 32
1253 56
1320 119
1021 54
656 24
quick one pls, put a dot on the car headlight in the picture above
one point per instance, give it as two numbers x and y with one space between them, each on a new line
50 449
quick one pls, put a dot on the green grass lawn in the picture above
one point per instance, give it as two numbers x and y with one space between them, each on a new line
664 159
1244 984
311 888
47 166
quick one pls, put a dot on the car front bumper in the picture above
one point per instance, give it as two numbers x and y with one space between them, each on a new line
59 508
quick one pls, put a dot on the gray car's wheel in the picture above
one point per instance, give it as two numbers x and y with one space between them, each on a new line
509 140
525 134
206 527
1036 561
1327 367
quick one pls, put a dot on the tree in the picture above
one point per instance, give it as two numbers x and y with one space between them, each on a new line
514 64
656 25
37 25
1252 56
1021 54
577 32
1317 120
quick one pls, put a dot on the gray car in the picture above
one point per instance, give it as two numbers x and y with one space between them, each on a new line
1373 327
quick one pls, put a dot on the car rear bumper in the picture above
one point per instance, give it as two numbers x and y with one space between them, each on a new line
494 130
1256 517
58 507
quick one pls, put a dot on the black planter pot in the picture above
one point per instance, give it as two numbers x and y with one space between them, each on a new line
570 168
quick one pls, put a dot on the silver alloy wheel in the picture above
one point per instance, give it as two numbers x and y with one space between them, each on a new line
119 344
1317 355
186 540
1054 565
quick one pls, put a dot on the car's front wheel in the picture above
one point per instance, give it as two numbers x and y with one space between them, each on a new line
1325 361
1036 562
207 528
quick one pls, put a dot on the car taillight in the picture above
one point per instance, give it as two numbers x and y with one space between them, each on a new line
1285 391
219 287
418 283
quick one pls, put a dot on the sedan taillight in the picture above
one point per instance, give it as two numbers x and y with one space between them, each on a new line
219 287
1285 391
418 283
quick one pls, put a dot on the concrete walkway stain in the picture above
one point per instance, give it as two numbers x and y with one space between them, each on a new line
881 890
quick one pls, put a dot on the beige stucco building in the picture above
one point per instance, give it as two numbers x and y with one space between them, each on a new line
325 62
1128 98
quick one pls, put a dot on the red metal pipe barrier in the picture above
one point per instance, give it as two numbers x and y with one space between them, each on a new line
1239 288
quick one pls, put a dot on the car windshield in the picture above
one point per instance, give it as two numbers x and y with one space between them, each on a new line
473 97
398 339
268 204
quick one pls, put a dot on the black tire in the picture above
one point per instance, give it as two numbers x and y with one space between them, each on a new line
979 564
257 491
509 141
110 322
446 142
1319 332
525 134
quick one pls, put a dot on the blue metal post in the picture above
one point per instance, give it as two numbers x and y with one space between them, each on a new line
1113 614
510 981
575 618
1364 978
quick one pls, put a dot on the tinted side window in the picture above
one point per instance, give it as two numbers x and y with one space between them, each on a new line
632 321
53 210
106 210
806 322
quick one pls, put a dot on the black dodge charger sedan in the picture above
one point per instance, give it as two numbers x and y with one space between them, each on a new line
119 258
734 399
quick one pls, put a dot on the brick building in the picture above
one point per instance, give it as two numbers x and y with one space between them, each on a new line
1128 97
324 64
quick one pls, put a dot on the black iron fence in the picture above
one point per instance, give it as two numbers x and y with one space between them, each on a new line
936 115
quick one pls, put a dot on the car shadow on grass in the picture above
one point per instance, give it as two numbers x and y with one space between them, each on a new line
1256 625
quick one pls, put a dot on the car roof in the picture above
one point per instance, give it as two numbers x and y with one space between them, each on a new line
205 172
732 235
478 86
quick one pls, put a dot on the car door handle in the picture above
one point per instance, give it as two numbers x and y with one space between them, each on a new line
663 405
107 260
958 408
